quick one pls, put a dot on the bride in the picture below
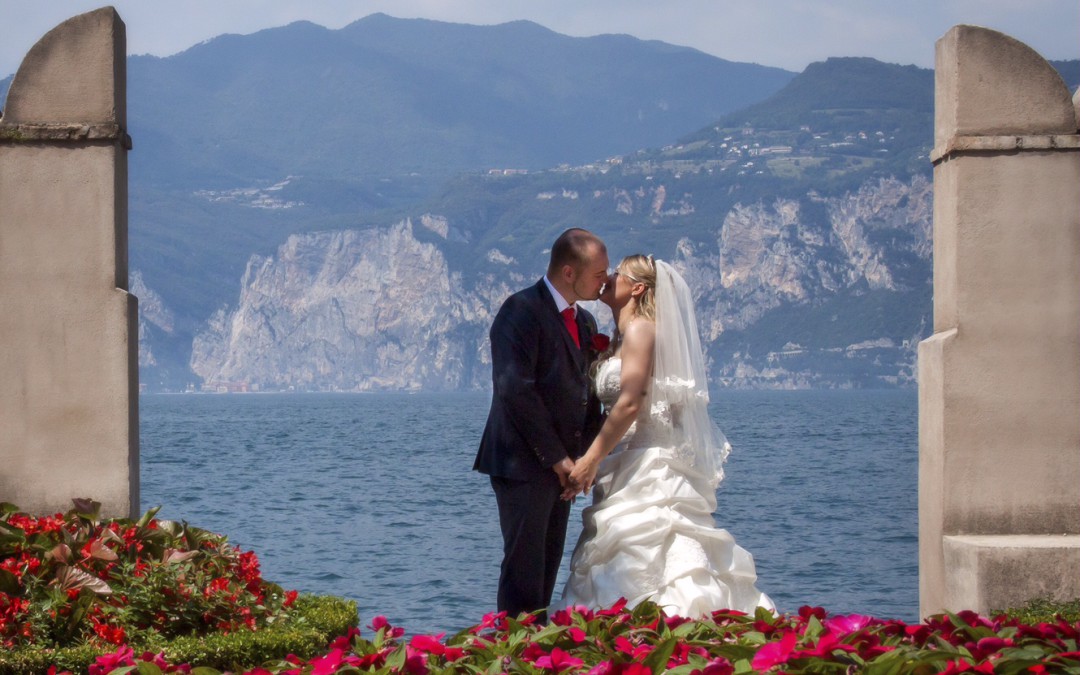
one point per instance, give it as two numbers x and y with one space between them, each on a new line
655 465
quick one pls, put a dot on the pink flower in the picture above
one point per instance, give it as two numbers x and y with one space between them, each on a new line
428 645
380 622
344 641
558 660
124 656
415 662
329 664
615 609
775 653
718 666
850 623
496 620
576 634
634 651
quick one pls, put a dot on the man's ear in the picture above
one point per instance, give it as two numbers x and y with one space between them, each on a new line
567 272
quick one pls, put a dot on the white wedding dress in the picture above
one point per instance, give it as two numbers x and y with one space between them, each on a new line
649 534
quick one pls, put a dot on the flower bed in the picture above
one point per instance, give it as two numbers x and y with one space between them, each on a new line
645 641
74 586
153 596
74 577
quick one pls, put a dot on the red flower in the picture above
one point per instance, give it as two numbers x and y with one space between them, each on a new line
428 644
558 660
290 598
600 342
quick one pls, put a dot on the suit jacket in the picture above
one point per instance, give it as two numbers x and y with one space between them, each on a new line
543 407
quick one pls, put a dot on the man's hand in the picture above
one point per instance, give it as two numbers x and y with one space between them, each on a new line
562 469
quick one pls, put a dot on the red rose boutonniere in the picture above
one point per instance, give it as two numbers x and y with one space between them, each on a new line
600 342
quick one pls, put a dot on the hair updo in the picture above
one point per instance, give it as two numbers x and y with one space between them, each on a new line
642 269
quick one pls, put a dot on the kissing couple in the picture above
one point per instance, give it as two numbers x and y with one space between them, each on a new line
625 418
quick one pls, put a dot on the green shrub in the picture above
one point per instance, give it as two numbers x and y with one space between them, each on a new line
1045 610
312 623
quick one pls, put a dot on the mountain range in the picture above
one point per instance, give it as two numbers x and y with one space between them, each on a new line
317 209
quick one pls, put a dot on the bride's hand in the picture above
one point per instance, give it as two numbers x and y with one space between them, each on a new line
584 474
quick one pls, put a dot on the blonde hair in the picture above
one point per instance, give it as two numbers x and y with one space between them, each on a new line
642 269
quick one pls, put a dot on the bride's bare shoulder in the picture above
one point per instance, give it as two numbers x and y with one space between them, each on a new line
640 332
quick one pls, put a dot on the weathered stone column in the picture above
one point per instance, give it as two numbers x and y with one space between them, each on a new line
999 381
69 423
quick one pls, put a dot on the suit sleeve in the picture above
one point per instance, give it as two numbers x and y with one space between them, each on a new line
515 346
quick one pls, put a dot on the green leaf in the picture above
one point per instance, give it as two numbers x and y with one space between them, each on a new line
658 658
10 537
9 583
203 670
147 517
7 508
813 627
394 663
147 668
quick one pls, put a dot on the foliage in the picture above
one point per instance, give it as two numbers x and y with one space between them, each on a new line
1042 610
75 585
645 640
305 631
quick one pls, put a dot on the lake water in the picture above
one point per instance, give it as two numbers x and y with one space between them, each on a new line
372 497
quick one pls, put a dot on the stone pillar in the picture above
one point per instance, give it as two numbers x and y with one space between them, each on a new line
69 423
999 381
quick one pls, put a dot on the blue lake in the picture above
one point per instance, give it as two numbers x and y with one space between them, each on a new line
372 496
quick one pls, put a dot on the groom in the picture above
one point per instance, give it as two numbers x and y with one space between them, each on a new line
543 415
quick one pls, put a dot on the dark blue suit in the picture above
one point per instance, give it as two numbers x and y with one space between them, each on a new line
543 409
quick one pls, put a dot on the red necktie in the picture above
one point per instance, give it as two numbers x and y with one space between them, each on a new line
571 325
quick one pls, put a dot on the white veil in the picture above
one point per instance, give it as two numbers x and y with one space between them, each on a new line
680 384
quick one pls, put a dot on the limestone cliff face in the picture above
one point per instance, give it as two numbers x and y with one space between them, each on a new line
152 313
771 254
348 311
381 309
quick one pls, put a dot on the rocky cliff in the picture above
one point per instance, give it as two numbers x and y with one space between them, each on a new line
776 285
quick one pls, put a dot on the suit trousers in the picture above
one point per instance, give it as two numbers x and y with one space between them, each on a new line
533 520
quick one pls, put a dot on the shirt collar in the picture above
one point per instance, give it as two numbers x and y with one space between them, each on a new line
560 301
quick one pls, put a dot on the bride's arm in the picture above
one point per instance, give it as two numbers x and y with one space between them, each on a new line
637 363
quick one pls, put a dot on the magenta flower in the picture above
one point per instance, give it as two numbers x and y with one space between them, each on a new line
849 623
636 652
415 662
124 656
775 653
558 660
343 642
718 666
329 664
428 644
380 622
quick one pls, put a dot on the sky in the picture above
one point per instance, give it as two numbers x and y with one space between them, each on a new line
788 34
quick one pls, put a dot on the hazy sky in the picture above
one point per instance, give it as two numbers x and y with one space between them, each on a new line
785 33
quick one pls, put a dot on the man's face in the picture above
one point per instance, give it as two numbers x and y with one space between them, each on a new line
590 278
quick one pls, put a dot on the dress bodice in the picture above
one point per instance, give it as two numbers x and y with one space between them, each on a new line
653 424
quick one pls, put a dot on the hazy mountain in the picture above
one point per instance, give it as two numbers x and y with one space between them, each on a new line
313 209
810 261
386 97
